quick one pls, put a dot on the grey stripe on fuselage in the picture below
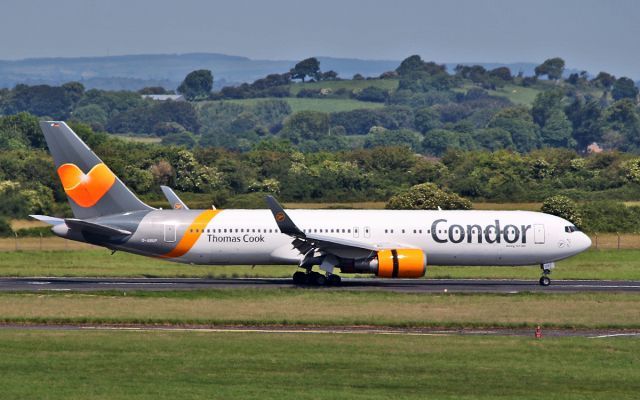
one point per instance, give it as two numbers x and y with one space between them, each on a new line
149 237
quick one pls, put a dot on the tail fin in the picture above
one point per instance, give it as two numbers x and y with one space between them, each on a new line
92 189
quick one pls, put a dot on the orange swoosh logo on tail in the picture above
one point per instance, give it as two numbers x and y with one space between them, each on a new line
86 189
192 234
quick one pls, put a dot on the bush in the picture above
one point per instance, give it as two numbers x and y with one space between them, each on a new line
427 196
5 228
610 216
563 207
35 232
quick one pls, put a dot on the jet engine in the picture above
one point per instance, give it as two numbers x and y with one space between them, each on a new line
395 263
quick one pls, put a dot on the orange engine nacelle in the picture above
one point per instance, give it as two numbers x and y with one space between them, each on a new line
401 263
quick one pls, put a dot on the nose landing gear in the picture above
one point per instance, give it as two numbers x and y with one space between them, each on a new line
546 271
545 281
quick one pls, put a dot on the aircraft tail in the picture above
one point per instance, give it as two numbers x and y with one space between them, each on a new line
92 189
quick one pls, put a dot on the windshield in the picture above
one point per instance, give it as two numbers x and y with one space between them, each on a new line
571 228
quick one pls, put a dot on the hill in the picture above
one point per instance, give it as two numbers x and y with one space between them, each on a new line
133 72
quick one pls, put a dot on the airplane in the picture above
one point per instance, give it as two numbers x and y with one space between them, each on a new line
384 243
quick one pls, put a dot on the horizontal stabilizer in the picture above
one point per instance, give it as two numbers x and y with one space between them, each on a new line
48 220
173 199
98 229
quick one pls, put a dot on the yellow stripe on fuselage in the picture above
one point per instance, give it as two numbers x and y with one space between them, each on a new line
192 234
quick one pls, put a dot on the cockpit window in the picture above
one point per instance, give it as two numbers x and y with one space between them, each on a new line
571 228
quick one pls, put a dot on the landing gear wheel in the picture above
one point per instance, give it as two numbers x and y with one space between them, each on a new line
545 281
334 280
299 278
318 279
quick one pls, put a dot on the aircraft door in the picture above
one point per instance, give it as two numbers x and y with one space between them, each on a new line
169 233
367 232
538 233
356 232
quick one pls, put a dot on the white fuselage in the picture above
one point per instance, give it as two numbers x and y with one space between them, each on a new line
446 237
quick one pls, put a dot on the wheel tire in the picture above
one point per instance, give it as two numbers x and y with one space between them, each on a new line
545 281
319 279
334 280
299 278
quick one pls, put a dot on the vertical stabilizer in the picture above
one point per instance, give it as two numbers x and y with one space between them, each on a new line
92 188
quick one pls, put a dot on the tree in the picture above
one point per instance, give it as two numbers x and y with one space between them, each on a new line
182 138
557 130
605 80
380 137
197 84
622 118
153 90
519 123
41 100
544 103
305 125
563 207
437 141
74 91
92 114
24 127
502 73
410 65
426 119
552 68
427 196
494 139
624 88
586 120
308 67
372 93
329 76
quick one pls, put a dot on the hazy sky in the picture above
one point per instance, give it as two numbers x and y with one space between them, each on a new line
588 34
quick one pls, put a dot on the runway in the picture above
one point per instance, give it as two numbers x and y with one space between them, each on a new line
397 285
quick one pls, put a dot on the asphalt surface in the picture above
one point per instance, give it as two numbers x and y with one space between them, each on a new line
397 285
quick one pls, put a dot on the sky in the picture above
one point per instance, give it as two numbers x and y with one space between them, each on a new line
588 34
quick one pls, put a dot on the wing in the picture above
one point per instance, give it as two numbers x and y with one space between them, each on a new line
305 243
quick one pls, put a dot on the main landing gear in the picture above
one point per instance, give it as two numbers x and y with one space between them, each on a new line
546 270
312 278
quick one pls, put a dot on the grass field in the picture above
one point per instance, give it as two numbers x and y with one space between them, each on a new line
192 365
386 84
324 307
140 138
594 264
309 104
517 94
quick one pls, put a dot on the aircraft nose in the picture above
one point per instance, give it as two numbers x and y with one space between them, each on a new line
585 241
